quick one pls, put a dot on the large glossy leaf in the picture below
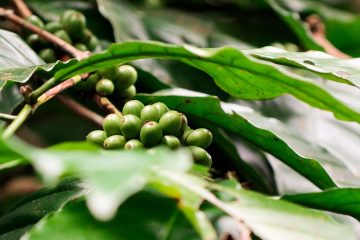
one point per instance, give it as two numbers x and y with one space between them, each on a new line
269 135
30 210
113 176
6 153
329 67
14 54
268 218
231 158
233 71
143 216
340 200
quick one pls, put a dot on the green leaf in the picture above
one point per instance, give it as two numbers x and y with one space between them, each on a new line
269 135
14 54
232 70
267 218
7 154
326 66
339 200
113 176
23 74
30 210
230 157
143 216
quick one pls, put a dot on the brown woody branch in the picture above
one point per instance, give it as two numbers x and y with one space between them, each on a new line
9 15
22 8
81 110
318 31
52 92
105 103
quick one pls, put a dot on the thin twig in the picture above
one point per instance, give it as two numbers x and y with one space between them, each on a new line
4 116
22 8
19 120
318 31
105 103
81 110
9 15
52 92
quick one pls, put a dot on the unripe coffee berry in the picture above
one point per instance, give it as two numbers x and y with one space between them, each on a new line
66 15
89 84
75 23
171 141
186 133
133 144
97 137
81 46
48 55
53 26
200 137
133 107
62 34
92 43
111 125
201 156
130 126
35 20
150 113
171 122
114 142
126 76
161 107
105 87
151 133
129 92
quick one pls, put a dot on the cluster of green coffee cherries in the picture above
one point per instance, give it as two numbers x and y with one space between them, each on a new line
71 28
149 126
117 80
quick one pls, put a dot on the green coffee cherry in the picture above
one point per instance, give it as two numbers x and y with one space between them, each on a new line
161 107
97 137
92 43
105 87
111 125
185 134
84 36
171 141
201 156
171 122
184 123
81 46
133 144
48 55
35 20
109 73
62 34
74 23
200 137
130 126
33 40
128 93
126 76
114 142
89 84
150 113
151 134
53 26
133 107
66 15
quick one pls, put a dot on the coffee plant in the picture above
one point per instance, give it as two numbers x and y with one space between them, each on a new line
160 119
